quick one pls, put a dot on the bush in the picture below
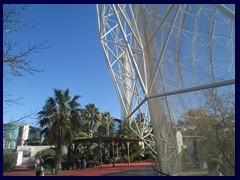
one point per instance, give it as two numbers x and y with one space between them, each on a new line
47 168
48 156
64 162
149 155
9 159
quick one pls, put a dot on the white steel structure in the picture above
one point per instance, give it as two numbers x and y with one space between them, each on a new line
160 57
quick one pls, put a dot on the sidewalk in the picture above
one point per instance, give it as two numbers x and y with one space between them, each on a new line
121 169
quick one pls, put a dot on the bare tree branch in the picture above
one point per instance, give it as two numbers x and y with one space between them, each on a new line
8 100
16 60
23 118
11 23
16 64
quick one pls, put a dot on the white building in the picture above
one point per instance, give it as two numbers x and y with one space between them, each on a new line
26 154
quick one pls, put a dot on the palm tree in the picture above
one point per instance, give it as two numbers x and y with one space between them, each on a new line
108 121
125 131
58 118
91 116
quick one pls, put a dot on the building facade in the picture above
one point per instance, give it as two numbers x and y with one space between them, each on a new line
15 134
10 136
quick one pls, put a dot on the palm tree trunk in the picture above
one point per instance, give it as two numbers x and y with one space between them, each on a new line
58 157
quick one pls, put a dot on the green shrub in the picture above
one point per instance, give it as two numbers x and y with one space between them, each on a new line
150 155
9 159
64 162
48 156
47 168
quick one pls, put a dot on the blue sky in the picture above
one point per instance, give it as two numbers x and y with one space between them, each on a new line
75 60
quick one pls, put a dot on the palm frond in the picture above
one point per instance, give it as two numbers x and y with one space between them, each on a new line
44 122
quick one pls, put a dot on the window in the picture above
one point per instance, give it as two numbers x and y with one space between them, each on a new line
26 153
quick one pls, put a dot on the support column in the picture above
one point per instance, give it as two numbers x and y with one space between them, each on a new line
122 157
117 149
139 151
128 157
113 153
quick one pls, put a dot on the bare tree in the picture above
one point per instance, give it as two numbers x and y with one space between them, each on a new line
16 60
222 106
22 119
16 63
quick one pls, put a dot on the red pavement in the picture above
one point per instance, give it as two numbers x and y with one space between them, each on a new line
95 171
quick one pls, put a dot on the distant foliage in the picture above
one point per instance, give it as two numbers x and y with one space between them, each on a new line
9 159
33 142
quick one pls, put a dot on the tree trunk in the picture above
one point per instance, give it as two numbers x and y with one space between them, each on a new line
58 157
100 149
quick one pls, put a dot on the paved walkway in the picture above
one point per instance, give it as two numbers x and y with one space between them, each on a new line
121 169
